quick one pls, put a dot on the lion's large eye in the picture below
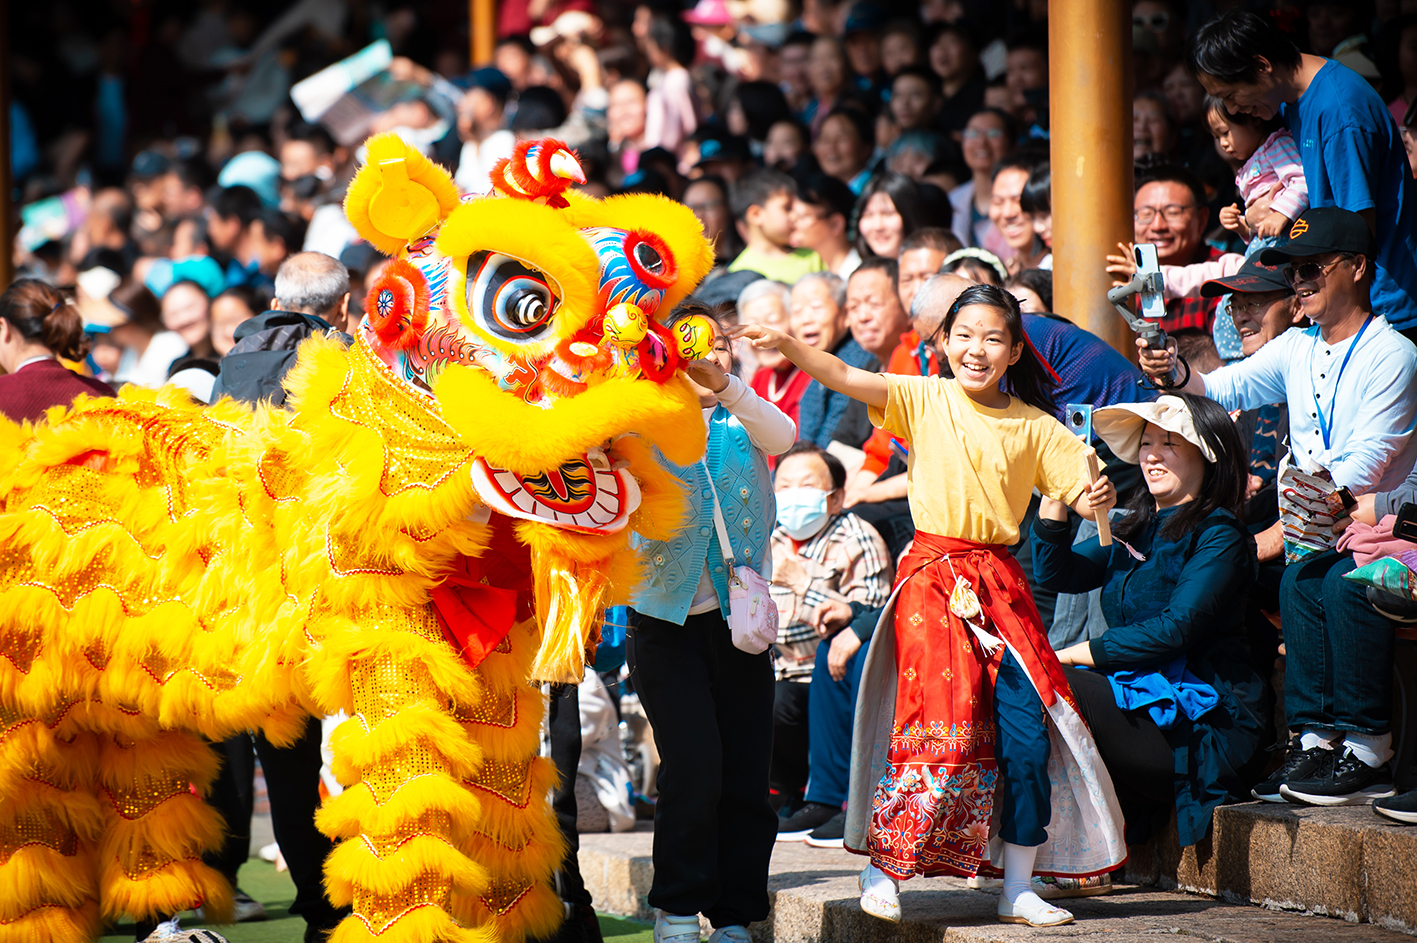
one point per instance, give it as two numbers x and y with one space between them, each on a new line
649 258
507 298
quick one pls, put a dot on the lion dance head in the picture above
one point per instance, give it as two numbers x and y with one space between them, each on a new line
535 317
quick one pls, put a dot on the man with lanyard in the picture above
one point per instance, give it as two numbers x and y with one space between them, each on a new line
1347 382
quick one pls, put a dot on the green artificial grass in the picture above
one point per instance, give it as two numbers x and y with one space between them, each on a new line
275 890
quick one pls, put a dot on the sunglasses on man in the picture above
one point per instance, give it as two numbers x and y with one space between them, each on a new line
1311 271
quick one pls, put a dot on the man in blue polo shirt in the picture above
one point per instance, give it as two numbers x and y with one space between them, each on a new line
1351 148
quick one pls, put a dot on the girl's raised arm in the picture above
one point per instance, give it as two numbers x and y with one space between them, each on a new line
869 388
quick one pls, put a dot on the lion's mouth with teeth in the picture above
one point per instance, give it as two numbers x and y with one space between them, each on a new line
586 494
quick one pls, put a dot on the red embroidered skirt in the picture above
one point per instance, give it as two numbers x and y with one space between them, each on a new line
931 812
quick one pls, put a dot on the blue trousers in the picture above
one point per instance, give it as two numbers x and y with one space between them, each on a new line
1338 650
831 711
1024 794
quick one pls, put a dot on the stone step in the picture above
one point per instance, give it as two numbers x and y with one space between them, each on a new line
814 899
1341 862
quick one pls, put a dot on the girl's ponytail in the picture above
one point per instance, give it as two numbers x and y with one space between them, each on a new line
42 315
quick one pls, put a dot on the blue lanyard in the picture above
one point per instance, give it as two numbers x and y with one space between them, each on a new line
1324 429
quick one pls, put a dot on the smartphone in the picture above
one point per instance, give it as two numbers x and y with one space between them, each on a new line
1150 304
1405 528
1078 418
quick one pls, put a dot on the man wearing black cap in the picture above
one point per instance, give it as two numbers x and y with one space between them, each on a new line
1263 306
1347 382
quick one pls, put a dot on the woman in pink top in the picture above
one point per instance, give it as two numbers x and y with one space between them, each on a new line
669 107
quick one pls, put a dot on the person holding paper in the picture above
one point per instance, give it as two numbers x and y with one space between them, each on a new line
1347 383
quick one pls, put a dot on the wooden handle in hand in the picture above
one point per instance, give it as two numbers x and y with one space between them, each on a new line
1104 526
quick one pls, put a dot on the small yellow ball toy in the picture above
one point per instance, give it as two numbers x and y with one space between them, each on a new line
694 335
625 325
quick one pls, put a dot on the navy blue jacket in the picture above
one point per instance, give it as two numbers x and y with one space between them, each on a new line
1188 597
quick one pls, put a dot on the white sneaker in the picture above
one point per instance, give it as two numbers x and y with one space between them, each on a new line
1032 910
673 928
731 934
880 894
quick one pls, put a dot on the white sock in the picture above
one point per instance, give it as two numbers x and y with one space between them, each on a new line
1018 871
1319 737
1375 749
680 918
882 884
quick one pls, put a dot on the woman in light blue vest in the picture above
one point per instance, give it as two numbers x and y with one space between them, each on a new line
711 704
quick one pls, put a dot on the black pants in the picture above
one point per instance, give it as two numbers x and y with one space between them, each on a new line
564 726
790 741
1134 750
293 783
711 708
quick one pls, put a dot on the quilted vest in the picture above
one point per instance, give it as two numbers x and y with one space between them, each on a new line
740 473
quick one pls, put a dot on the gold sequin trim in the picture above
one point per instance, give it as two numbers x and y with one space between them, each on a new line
279 476
495 710
343 561
399 767
502 896
20 647
380 911
42 827
74 496
433 824
17 569
172 439
143 864
149 792
508 779
12 718
420 449
382 685
161 669
98 654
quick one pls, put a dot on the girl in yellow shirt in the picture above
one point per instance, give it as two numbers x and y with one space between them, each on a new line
967 671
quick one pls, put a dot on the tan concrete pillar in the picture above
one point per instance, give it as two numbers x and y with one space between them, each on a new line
1090 115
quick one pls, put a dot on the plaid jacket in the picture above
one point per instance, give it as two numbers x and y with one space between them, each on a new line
847 561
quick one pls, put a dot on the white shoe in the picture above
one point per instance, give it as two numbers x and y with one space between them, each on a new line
269 852
1032 910
731 934
672 928
979 882
880 894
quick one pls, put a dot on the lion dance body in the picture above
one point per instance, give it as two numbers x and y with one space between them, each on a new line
435 524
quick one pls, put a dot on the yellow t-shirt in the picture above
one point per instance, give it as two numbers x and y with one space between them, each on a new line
972 469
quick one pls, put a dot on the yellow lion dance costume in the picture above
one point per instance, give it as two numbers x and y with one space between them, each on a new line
438 521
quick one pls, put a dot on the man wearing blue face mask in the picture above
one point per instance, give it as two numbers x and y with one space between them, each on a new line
823 561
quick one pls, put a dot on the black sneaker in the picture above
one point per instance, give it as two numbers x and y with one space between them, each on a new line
1346 781
1298 764
1401 808
830 835
804 821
